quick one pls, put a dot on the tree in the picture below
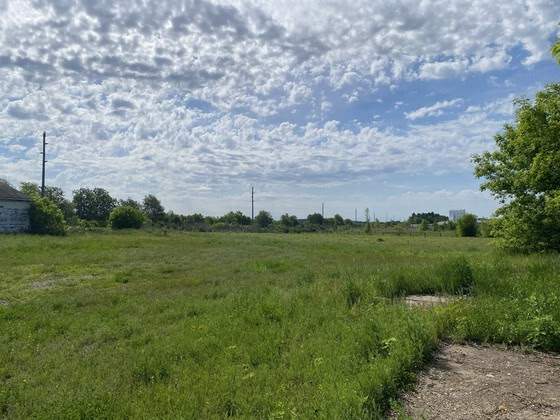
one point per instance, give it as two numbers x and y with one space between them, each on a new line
93 204
423 226
126 218
524 174
338 220
467 225
431 217
153 209
236 218
45 218
289 221
129 202
55 194
264 219
316 219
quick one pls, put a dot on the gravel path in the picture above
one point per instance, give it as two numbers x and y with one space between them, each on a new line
481 382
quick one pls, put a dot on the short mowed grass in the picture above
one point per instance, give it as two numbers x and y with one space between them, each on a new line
147 324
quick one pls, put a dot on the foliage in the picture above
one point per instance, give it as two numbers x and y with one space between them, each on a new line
289 221
338 220
45 218
129 202
235 218
264 219
316 219
431 218
126 218
467 225
555 50
55 194
423 226
153 209
93 204
524 173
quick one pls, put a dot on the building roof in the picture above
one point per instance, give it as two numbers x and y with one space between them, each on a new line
9 193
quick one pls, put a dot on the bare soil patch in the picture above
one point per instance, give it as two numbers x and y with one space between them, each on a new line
481 382
427 300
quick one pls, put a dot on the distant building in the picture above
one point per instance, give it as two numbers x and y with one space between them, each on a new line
454 215
14 210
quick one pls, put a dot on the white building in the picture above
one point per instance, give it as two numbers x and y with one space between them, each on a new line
454 215
14 210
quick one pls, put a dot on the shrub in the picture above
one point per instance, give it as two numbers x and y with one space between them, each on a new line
45 218
467 225
126 218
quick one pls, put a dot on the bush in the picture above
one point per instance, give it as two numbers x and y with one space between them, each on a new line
467 225
126 218
45 218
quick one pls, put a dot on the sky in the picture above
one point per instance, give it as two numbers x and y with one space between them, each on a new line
335 104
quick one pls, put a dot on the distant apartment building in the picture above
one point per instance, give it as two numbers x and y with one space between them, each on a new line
456 214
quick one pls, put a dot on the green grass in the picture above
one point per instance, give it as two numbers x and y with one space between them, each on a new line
138 324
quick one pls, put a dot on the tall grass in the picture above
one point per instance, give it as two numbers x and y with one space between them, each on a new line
218 325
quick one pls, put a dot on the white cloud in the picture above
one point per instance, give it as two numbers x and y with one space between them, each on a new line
202 97
434 110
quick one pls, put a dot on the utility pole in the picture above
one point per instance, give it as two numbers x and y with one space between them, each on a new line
252 203
355 215
323 210
44 161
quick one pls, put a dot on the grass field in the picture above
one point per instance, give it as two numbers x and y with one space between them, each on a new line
142 325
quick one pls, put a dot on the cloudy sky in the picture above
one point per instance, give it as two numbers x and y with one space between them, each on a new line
350 103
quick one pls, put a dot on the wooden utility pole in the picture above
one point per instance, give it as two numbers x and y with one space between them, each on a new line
44 161
252 203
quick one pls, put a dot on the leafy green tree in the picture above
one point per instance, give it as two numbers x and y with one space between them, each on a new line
289 221
524 174
125 217
423 226
236 218
45 218
338 220
93 204
153 209
55 194
129 202
431 218
194 218
467 225
264 219
316 219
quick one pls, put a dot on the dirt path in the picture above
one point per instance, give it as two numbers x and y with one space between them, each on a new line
478 382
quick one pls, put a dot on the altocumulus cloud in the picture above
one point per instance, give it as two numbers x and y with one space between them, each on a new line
209 97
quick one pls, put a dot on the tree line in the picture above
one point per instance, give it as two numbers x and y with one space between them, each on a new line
95 207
